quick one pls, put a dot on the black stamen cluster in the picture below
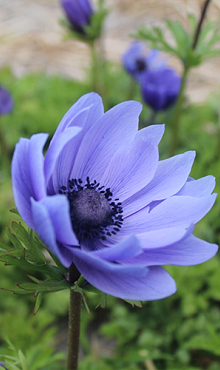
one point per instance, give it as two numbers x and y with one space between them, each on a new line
93 212
141 65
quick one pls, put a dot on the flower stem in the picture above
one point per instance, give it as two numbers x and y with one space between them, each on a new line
178 106
74 323
199 26
177 113
6 158
152 117
97 64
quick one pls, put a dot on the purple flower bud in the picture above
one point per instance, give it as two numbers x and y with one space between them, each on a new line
2 365
160 88
6 102
136 61
79 13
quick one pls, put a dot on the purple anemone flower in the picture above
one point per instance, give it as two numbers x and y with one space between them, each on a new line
102 200
160 88
79 13
6 102
2 365
136 61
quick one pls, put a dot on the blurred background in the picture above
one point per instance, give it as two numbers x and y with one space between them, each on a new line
31 38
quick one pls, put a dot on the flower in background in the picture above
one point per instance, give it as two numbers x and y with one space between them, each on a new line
160 88
102 200
2 365
78 13
6 102
136 61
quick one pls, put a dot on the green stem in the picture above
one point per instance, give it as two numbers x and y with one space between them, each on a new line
6 158
177 113
151 119
131 89
199 27
95 67
74 323
178 106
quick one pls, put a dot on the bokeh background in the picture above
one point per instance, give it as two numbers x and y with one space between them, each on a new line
31 38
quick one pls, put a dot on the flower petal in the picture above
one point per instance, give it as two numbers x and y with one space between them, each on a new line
172 212
45 229
131 168
116 128
84 102
154 132
198 188
36 165
128 248
121 282
27 174
58 209
56 147
170 176
190 251
168 236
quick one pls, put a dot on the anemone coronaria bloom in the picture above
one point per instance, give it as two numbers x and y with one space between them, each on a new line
160 88
136 60
78 13
102 200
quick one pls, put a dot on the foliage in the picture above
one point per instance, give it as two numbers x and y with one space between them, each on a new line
182 49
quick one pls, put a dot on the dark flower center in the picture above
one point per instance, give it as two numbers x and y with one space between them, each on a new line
141 65
93 212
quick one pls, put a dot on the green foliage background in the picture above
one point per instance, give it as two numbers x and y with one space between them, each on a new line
180 332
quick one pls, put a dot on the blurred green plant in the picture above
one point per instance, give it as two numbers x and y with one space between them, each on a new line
192 48
39 356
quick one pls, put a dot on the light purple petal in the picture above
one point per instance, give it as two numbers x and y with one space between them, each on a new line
121 282
36 165
84 102
168 236
56 147
172 212
133 168
89 258
154 132
198 188
128 247
86 119
170 176
116 128
21 183
190 251
45 230
151 239
58 209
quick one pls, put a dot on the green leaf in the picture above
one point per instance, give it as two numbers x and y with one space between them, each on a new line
44 286
16 243
89 288
39 299
192 22
15 211
134 303
182 38
103 302
22 360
